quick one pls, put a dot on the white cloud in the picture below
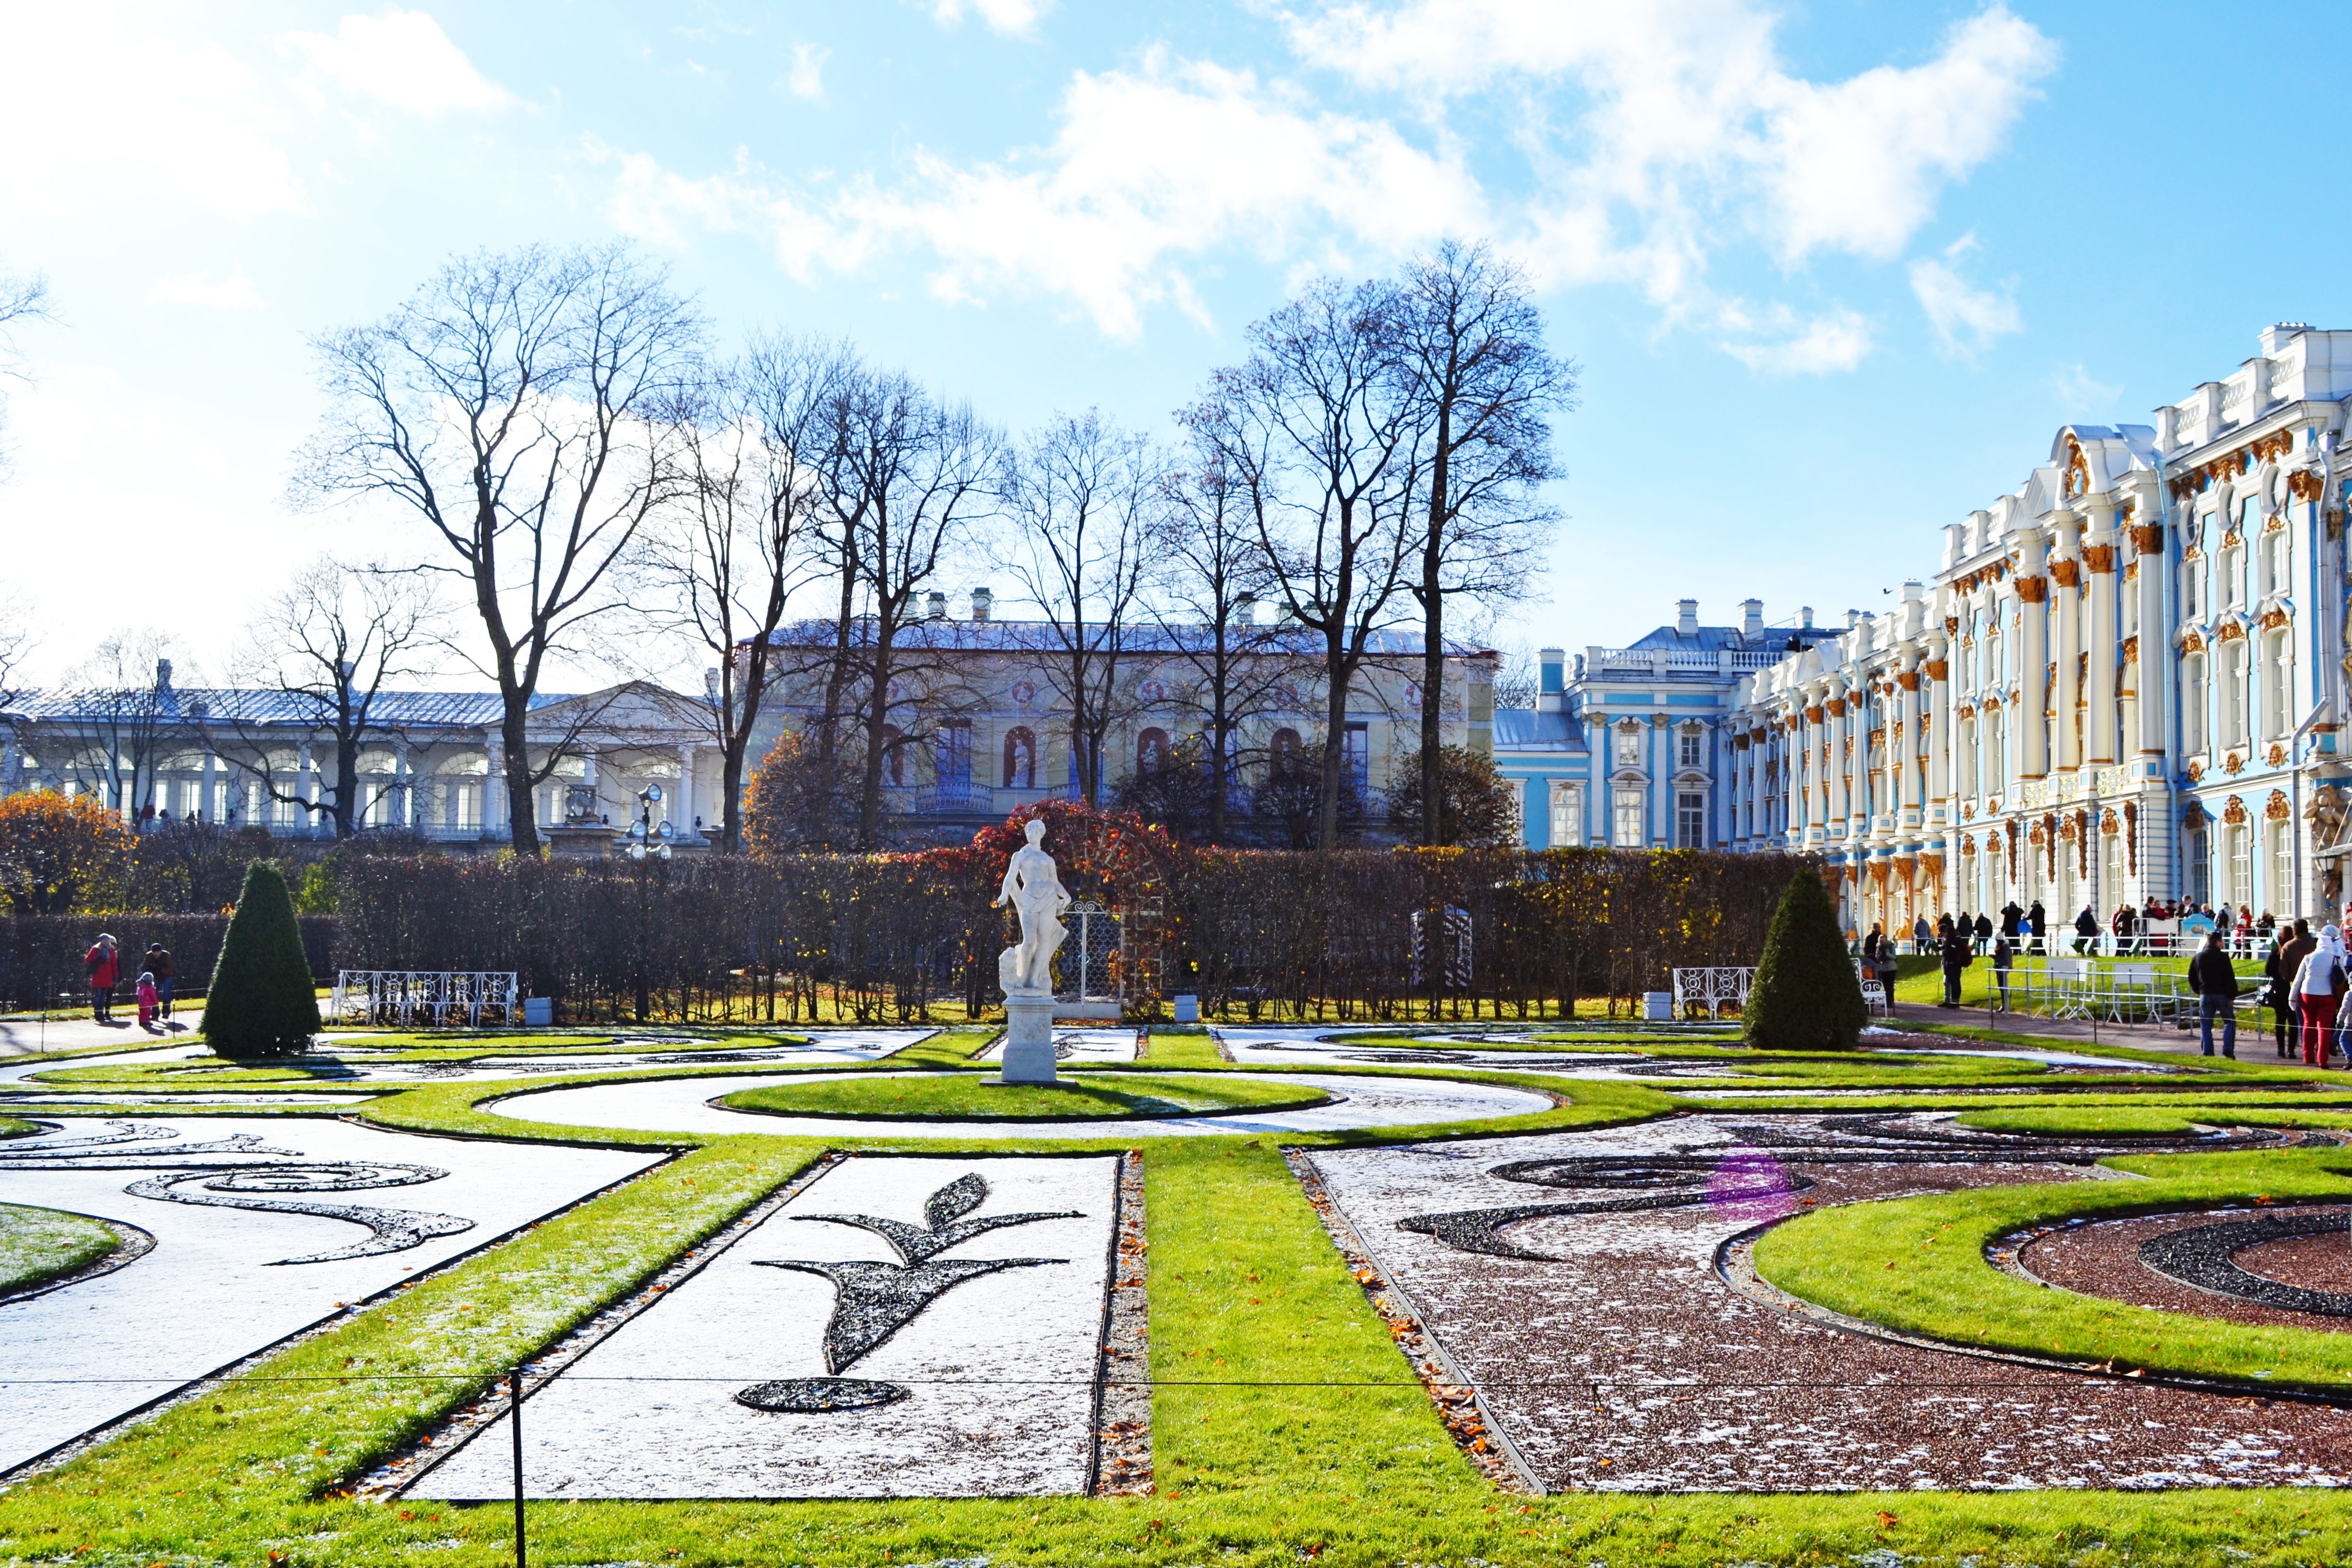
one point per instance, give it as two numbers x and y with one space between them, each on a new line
1002 16
114 112
1836 341
2081 393
234 292
1149 169
807 78
401 58
1683 111
1966 320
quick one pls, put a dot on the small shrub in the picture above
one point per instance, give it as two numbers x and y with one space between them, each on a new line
1805 997
262 1001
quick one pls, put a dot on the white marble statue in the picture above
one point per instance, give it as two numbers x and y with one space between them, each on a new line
1034 890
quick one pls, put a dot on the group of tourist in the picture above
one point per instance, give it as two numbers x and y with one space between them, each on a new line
103 965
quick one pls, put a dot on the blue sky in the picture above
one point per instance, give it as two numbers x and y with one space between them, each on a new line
1835 273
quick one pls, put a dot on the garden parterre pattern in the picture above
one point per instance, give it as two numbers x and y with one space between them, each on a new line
986 1318
239 1268
1616 1356
690 1105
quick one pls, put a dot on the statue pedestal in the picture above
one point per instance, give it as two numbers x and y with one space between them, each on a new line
1029 1038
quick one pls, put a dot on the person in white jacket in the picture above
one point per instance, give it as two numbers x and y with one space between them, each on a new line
2319 987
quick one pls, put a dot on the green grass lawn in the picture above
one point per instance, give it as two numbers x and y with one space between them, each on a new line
1287 1429
965 1095
41 1243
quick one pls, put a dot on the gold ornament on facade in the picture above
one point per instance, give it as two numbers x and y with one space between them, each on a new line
2076 479
1938 669
2064 570
2275 446
2033 590
2192 642
2131 650
2109 822
2148 538
2229 631
2234 811
2099 557
2276 755
2278 808
2233 764
2274 619
2303 485
2193 817
2196 771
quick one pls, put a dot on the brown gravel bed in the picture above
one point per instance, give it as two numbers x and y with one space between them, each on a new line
1624 1361
2102 1258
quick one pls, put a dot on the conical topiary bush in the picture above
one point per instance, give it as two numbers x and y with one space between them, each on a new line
262 1002
1805 997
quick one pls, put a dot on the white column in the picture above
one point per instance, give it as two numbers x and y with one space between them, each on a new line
2065 608
305 789
2154 679
494 778
683 812
404 789
2106 636
2033 657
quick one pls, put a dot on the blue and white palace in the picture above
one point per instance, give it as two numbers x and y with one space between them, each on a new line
2124 680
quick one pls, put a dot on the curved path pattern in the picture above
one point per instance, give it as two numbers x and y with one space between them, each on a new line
683 1105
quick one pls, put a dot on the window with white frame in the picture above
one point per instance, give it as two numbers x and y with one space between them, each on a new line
2197 865
2192 701
1625 826
2279 897
1694 745
2233 691
2278 682
2275 569
2233 576
1690 820
2192 588
1996 752
1567 814
2240 840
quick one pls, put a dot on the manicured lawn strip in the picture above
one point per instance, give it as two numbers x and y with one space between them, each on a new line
1187 1051
14 1127
38 1244
977 1096
1917 1265
1797 1104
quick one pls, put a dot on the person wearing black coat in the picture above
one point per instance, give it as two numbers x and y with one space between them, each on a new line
1954 949
1984 931
2009 915
2215 983
2041 924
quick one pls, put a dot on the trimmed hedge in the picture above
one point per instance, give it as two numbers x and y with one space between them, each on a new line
1806 996
40 955
261 1002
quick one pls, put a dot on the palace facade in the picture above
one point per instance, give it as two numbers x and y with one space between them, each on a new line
2123 680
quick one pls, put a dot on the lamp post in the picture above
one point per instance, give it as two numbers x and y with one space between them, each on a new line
646 842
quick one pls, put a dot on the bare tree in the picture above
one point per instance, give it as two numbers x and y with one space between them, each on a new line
1482 388
317 660
508 404
122 710
724 561
23 297
15 646
1207 577
909 481
1318 429
1078 497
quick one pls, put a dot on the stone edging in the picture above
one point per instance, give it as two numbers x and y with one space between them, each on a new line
1459 1403
1121 1466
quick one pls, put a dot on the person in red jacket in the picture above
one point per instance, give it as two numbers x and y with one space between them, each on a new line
104 967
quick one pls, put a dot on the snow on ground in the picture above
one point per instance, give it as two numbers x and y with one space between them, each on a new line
1257 1047
212 1291
998 1370
688 1105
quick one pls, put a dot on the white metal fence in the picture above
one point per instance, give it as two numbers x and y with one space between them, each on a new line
437 996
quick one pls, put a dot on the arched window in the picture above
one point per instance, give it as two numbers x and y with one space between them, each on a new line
1996 753
2233 678
894 756
2279 682
1019 758
1151 751
1283 753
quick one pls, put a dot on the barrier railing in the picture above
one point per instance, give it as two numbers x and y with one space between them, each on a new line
407 996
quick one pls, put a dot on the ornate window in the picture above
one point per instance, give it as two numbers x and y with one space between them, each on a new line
1626 829
1282 754
1567 814
2233 679
1690 820
1694 747
2278 683
2192 702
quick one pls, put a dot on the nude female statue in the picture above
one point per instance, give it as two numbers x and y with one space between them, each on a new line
1034 890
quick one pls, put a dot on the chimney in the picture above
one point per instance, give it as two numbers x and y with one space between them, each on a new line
1852 619
163 675
1806 617
710 683
1752 617
1686 617
1551 690
981 601
937 604
1246 609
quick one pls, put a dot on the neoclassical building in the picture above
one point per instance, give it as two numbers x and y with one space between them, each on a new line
2123 680
980 720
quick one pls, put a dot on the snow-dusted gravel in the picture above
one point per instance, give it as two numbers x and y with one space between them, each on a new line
998 1368
686 1105
213 1291
1619 1359
1262 1047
